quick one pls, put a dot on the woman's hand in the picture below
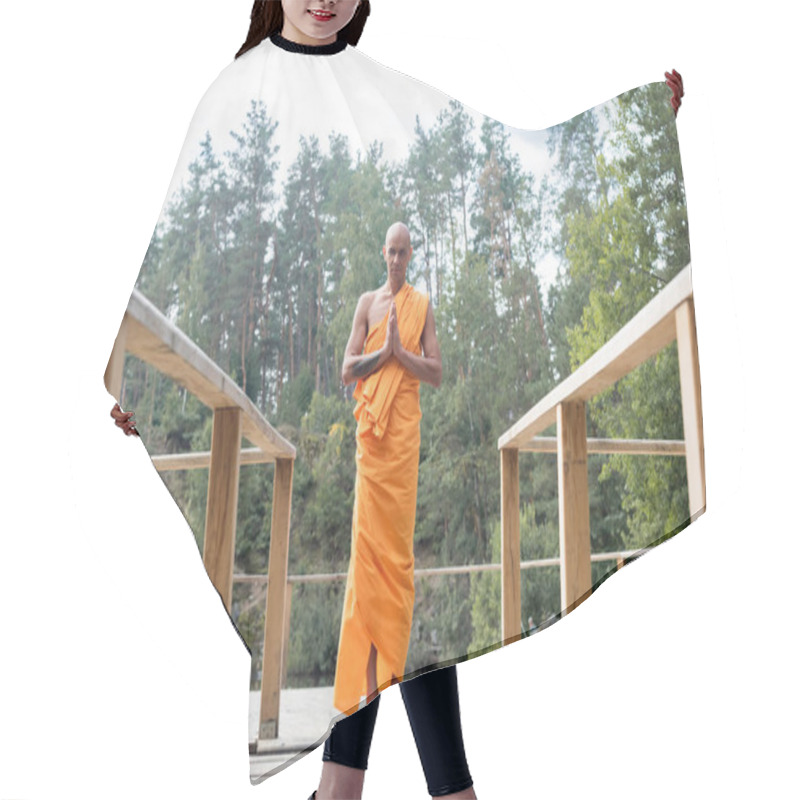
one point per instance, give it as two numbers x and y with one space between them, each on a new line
675 82
124 420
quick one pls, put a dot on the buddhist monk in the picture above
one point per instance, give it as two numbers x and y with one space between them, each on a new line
392 347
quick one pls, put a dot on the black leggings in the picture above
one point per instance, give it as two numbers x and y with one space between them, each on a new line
432 706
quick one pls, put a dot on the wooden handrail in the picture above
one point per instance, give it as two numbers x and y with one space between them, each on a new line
650 330
201 460
540 444
633 447
150 336
428 572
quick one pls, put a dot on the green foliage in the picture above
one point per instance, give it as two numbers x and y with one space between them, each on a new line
442 623
316 618
622 249
540 592
296 397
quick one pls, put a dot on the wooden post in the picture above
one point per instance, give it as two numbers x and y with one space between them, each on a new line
116 362
223 493
692 407
276 599
573 504
510 599
287 623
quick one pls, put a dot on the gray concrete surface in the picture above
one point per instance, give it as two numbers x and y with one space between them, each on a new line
305 717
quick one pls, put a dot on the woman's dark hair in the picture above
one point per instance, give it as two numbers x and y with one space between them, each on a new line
266 19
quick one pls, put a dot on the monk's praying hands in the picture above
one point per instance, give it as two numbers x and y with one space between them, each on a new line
396 345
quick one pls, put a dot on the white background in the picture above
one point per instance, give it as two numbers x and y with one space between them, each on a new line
119 674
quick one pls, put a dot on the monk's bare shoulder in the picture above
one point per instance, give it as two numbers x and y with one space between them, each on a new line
366 300
363 307
376 305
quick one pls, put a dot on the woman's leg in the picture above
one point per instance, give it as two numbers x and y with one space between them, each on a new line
346 753
433 710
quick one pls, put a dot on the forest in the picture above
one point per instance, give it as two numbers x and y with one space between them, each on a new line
264 275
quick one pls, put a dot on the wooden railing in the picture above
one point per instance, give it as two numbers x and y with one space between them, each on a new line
147 334
667 317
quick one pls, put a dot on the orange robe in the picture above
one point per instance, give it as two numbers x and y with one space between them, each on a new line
379 597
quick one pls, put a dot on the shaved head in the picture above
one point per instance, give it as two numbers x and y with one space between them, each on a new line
397 253
398 229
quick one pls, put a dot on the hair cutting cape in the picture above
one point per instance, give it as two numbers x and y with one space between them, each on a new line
432 524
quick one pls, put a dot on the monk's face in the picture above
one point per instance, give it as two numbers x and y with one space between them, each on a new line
397 255
316 22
